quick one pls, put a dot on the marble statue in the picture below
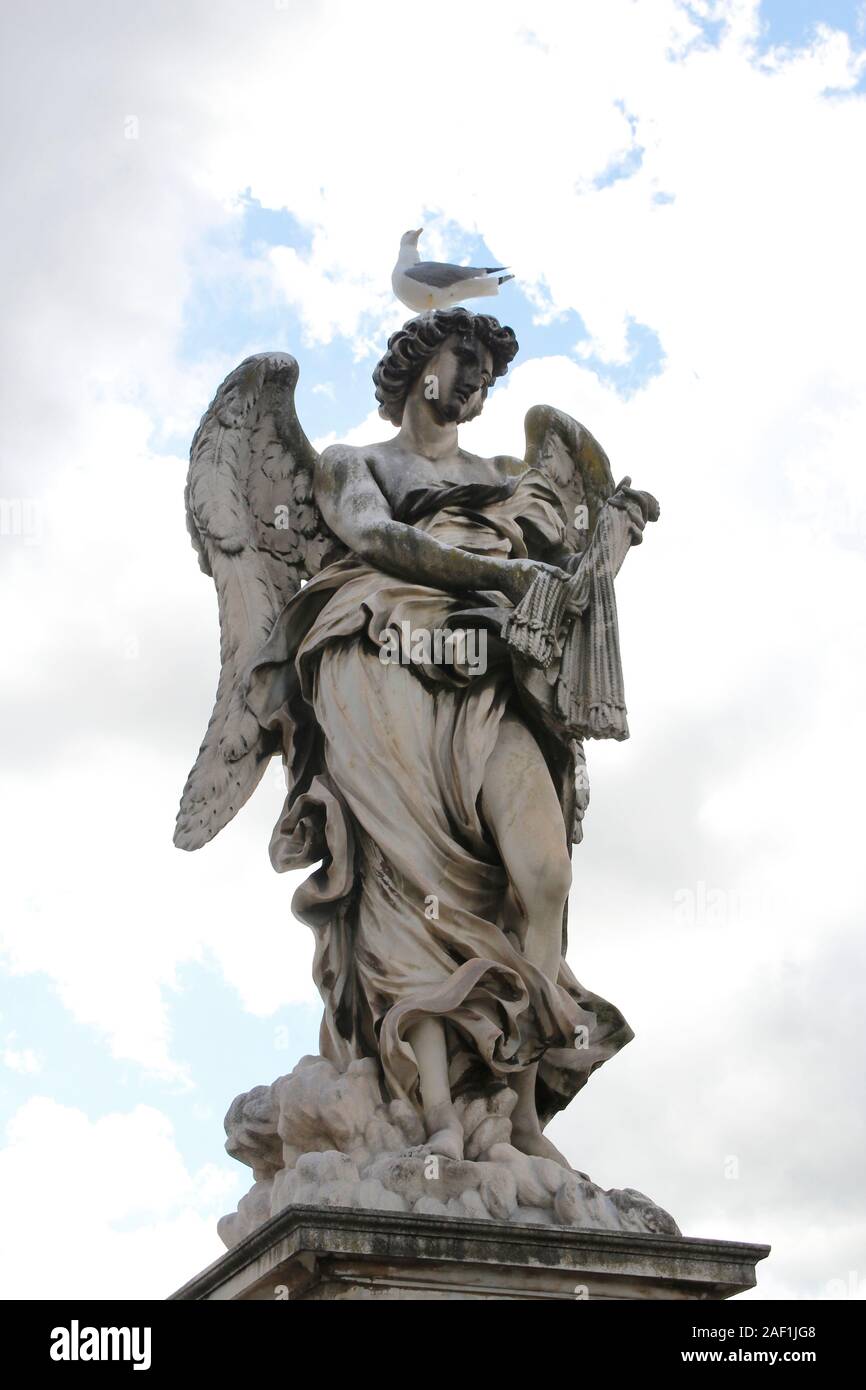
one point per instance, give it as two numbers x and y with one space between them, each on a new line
428 639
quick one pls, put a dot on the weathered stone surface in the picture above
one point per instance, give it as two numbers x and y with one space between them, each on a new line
439 799
435 799
336 1255
343 1146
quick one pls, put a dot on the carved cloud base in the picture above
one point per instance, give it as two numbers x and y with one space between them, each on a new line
324 1139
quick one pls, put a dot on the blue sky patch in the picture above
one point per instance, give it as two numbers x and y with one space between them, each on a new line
793 23
790 23
263 227
625 164
226 1049
646 359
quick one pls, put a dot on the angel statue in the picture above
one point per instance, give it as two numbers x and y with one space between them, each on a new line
439 793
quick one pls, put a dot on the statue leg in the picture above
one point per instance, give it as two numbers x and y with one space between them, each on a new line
524 816
444 1130
522 811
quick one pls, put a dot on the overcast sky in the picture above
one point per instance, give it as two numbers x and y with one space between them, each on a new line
678 188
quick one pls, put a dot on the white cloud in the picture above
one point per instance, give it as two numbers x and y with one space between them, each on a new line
116 639
327 305
110 1202
22 1060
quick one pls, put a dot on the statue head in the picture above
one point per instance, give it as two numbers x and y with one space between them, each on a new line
452 355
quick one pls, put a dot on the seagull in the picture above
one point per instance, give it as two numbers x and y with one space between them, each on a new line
428 285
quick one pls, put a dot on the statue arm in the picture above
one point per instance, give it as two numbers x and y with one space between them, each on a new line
354 507
545 542
551 552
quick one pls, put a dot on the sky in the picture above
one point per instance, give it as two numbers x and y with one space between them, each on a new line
678 190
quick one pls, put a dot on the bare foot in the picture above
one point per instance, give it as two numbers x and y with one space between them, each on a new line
530 1140
444 1132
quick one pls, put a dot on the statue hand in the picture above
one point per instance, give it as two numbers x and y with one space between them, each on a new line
640 507
574 562
518 576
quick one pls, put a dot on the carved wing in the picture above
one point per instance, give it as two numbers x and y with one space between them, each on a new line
256 528
575 464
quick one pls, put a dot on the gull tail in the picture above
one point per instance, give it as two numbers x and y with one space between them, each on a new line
476 289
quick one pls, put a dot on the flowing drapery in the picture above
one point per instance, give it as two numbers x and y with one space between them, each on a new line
385 763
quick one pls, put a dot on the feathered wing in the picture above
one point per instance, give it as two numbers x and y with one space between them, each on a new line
258 533
579 470
575 464
441 276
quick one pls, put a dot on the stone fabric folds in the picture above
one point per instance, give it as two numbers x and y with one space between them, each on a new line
385 764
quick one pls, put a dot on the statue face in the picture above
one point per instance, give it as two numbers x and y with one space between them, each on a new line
461 372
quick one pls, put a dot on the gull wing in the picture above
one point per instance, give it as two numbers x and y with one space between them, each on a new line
441 276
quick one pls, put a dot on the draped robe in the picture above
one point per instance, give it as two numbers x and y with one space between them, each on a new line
385 765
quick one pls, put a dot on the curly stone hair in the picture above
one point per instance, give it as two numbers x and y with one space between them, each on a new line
415 343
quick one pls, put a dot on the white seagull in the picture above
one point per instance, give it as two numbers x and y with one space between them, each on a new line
424 285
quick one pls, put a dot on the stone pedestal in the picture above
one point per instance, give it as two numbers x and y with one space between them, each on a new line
314 1253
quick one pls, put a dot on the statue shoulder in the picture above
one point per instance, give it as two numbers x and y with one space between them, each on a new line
343 470
338 461
511 467
500 465
337 454
334 454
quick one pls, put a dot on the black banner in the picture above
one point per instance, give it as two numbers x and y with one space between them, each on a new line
248 1339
